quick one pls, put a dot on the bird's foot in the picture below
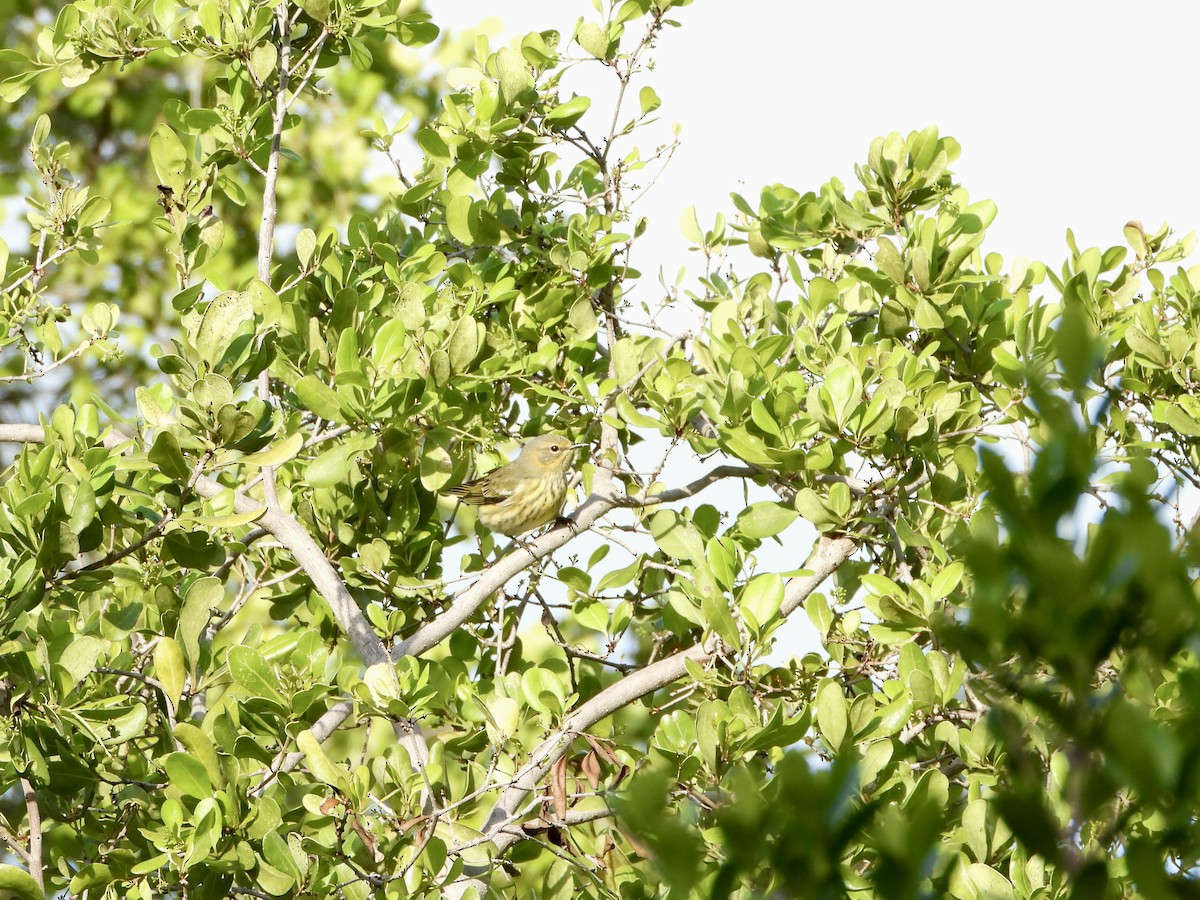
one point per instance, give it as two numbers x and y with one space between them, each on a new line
560 521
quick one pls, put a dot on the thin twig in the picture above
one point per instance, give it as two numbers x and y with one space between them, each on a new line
118 555
14 844
61 361
687 490
39 269
266 231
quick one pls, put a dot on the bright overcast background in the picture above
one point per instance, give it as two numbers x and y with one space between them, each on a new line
1077 115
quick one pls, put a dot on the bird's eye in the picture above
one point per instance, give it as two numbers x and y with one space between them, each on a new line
554 448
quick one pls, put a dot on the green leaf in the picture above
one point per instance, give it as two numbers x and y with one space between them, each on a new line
581 320
889 719
926 316
278 453
989 883
318 9
88 878
709 717
187 774
760 599
809 504
265 302
675 536
504 716
715 609
832 719
838 500
382 682
79 659
169 157
1149 350
889 261
212 393
649 100
262 61
203 596
319 398
915 674
974 825
306 245
193 549
464 344
330 468
842 390
459 220
819 613
515 77
1176 419
167 455
234 424
19 883
277 853
567 114
82 508
947 580
690 226
435 147
360 54
765 519
631 414
592 38
201 748
251 672
266 876
267 818
319 764
778 732
225 316
437 467
544 690
170 668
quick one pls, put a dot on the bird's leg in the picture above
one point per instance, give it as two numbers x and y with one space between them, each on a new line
560 521
514 543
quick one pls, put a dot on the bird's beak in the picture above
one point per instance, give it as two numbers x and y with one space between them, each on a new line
578 446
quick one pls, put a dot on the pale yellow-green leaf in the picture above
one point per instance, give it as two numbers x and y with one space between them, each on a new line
382 682
592 38
170 668
278 453
321 766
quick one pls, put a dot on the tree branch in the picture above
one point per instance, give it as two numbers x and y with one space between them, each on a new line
119 554
266 229
687 490
37 270
35 833
829 554
285 529
326 725
29 377
311 559
497 575
10 840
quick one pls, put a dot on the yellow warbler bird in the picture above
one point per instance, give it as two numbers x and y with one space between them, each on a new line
527 492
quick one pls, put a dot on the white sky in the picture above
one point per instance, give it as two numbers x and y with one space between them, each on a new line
1070 114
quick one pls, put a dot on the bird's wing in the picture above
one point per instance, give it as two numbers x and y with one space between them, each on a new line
479 492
